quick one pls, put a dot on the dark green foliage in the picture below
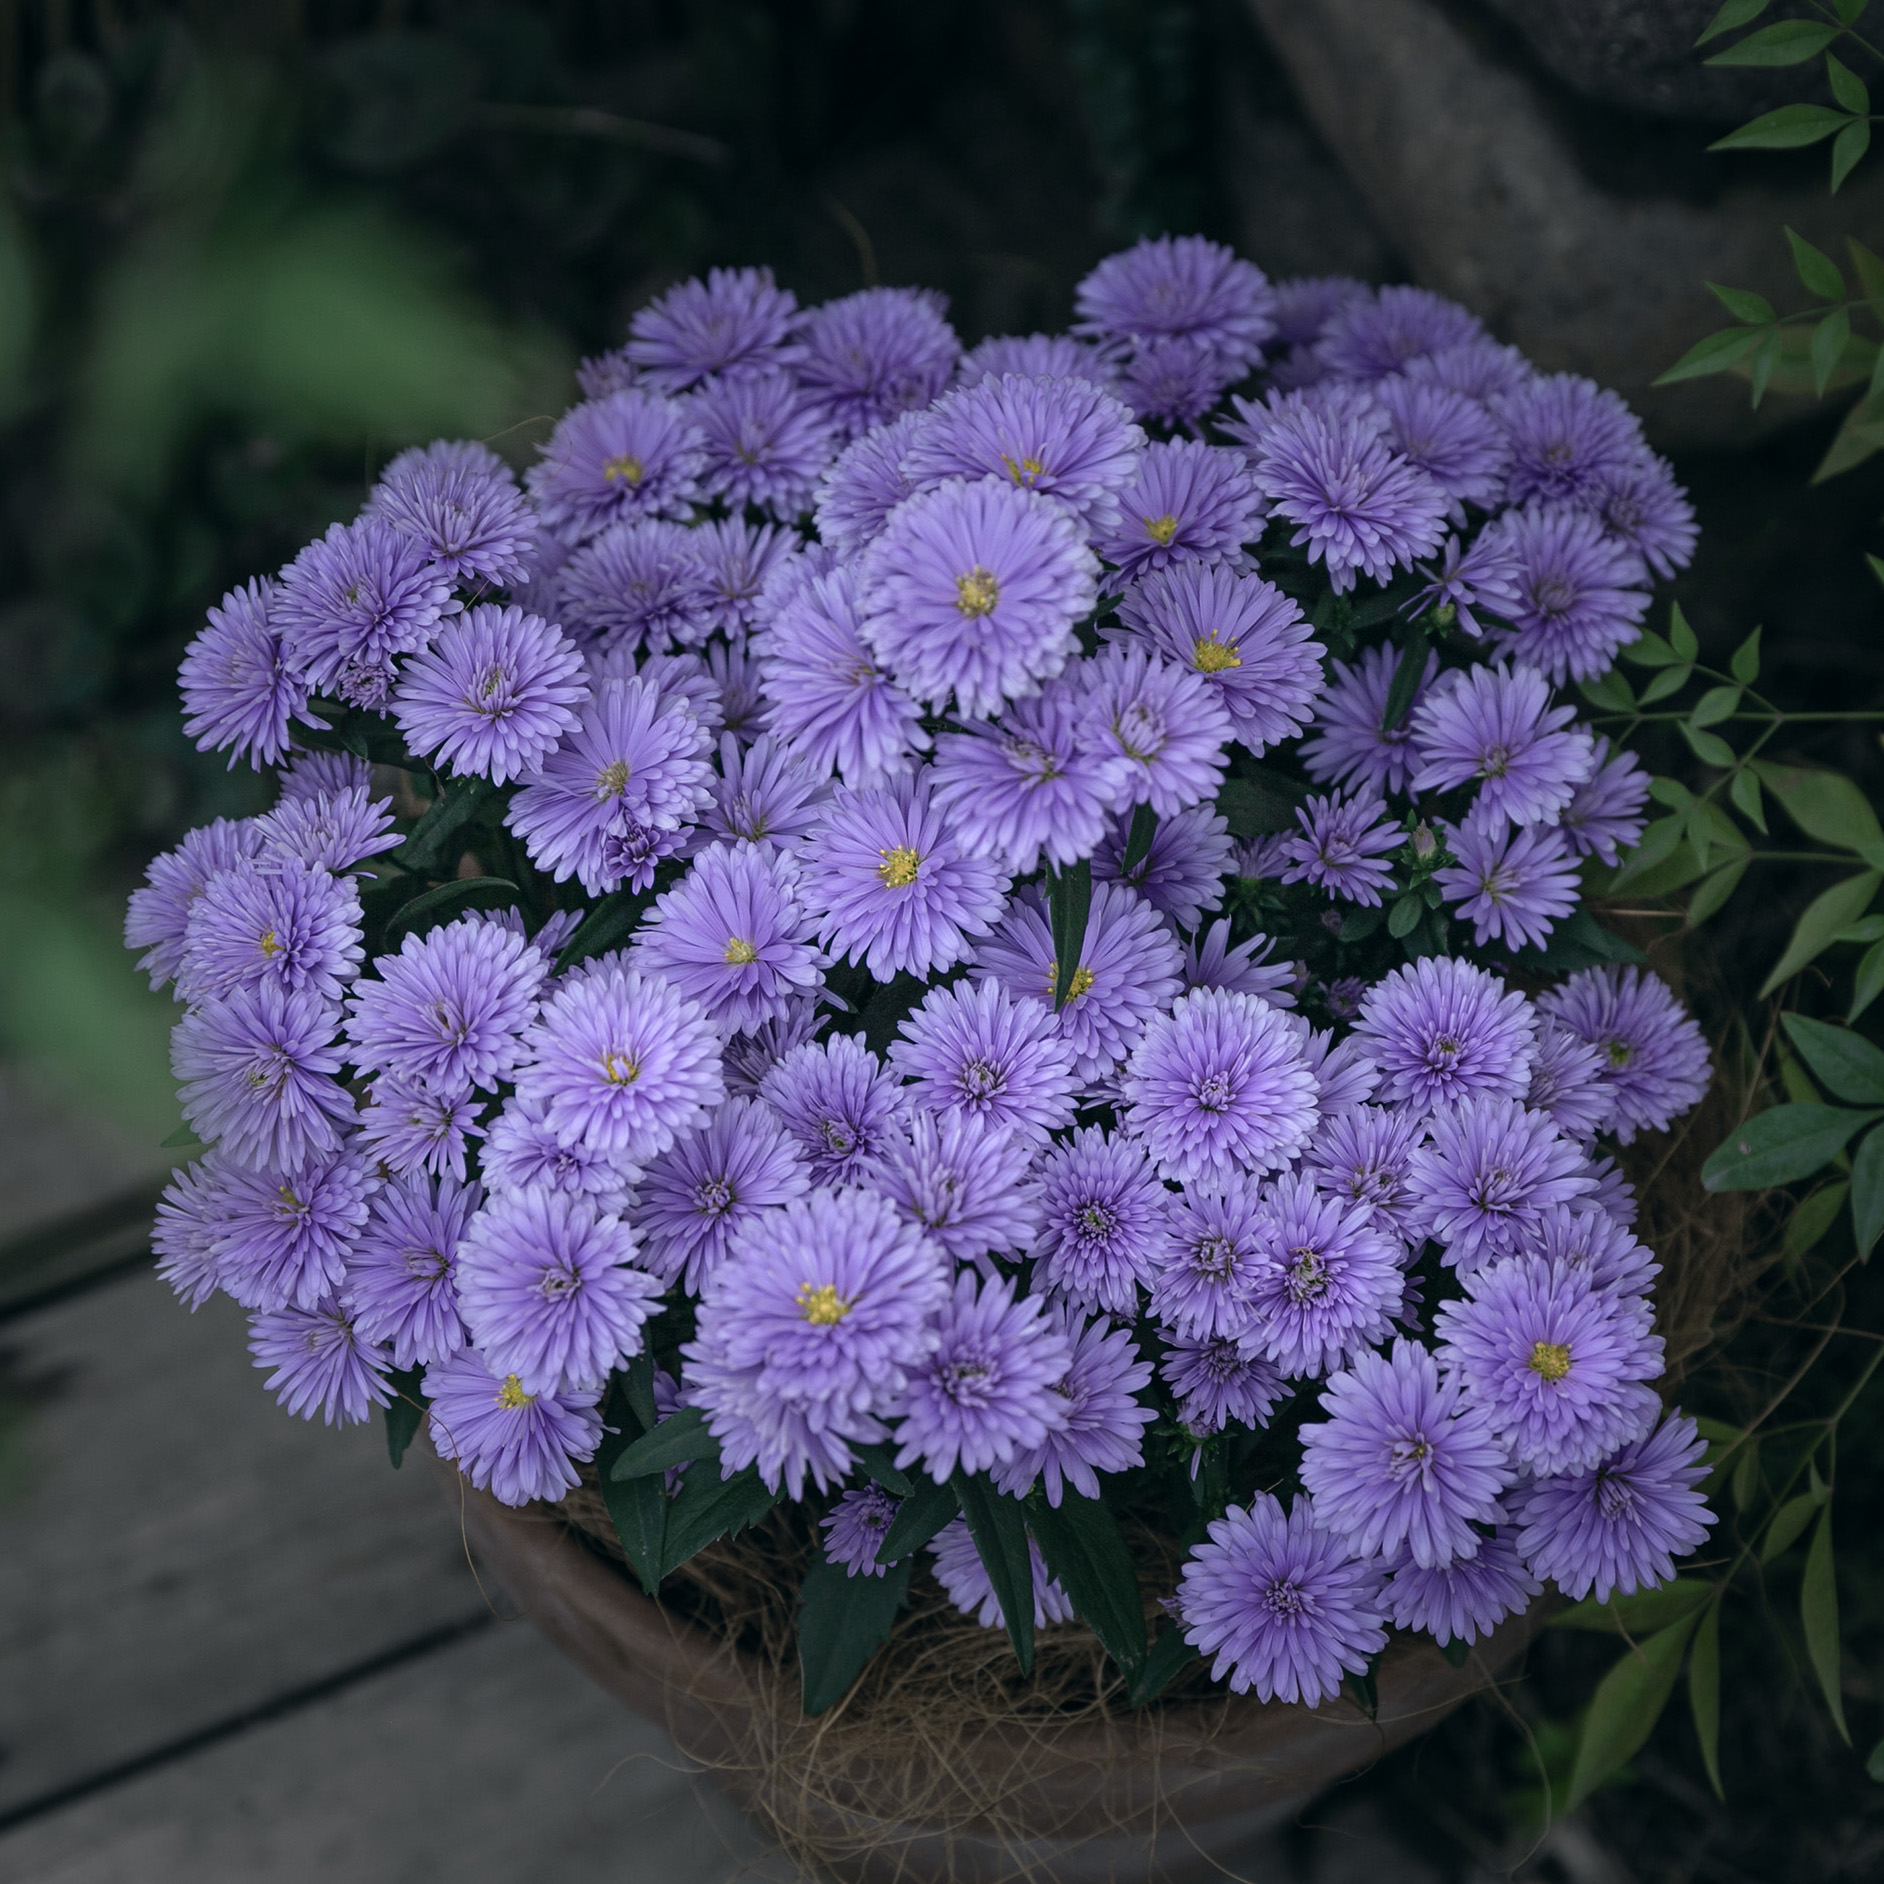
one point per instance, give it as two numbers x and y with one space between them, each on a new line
405 1412
999 1528
842 1621
1084 1550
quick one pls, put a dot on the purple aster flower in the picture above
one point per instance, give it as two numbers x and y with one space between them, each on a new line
876 353
1612 1193
622 1062
1104 1421
1573 596
1105 1222
238 688
866 483
1242 968
1174 377
460 504
748 1058
518 1446
1604 815
1357 506
734 672
737 559
1567 1082
831 705
1488 1171
549 1291
1479 368
414 1131
1442 1029
891 888
1641 504
1027 783
1564 433
1619 1529
449 1010
1305 304
855 1528
1370 337
399 1287
1326 1282
1342 848
1345 1073
1514 885
964 1180
965 1581
732 936
1200 1289
764 442
1218 1088
619 791
1280 1604
697 1195
986 1390
1246 638
1465 581
1345 404
335 830
1401 1462
972 1048
1557 1364
680 675
1654 1058
1497 725
1189 503
321 1365
1035 356
1594 1243
186 1235
809 1330
1219 1380
522 1153
630 454
1163 726
353 601
1452 438
157 916
1465 1599
763 795
294 926
1351 743
1063 438
256 1071
1129 969
638 583
283 1239
736 322
840 1103
972 592
1180 285
493 694
599 374
1182 873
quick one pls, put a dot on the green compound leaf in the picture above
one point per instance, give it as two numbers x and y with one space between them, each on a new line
1781 1146
1867 981
1847 87
1704 1693
1627 1703
1785 42
842 1621
1745 666
1848 150
1732 15
1823 920
1818 1612
1717 353
1791 127
1867 1193
1846 1064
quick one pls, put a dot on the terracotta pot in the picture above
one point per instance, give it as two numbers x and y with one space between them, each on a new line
1169 1793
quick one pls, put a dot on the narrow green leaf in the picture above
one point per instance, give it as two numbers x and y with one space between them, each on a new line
1849 12
678 1440
1669 681
1717 353
1405 683
1846 1064
1829 340
1711 893
637 1507
1680 636
1625 1707
1743 304
1069 903
1671 792
1781 1146
1254 807
842 1621
1861 436
1816 269
1704 1693
1638 1615
1747 1476
881 1465
1744 790
637 1380
708 1507
1648 649
1405 915
1787 1526
1813 1216
607 926
1818 1611
1847 87
1791 127
1359 924
1828 912
1699 831
1868 266
1745 666
1610 691
1732 15
1709 748
1084 1549
1785 42
1867 1193
1144 828
435 841
405 1411
182 1139
923 1513
1825 805
1656 844
999 1529
1717 704
1760 369
448 901
1848 149
1170 1655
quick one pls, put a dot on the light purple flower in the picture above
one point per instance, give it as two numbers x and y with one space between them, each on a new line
294 926
1654 1057
1189 503
1104 1421
866 483
335 830
283 1238
1342 848
1181 874
522 1153
1219 1380
1480 368
1595 1244
1105 1222
965 1581
876 353
971 1048
963 1180
628 454
1180 285
1350 742
1035 356
239 689
1465 1599
1565 432
1496 725
1240 968
1604 815
641 583
158 914
1514 886
321 1364
1162 725
763 442
737 559
185 1236
1200 1290
1451 437
1573 595
460 504
1441 1029
1567 1082
736 322
840 1103
399 1283
1376 334
518 1446
1641 504
855 1527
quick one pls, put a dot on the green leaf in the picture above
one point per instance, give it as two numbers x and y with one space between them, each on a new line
999 1529
1732 15
1170 1655
1069 903
1680 636
1760 371
1404 916
1867 981
1656 844
607 926
1826 805
1849 12
678 1440
1625 1707
1868 266
1867 1193
1781 1146
1083 1548
923 1513
1861 436
182 1139
1785 42
1845 1063
1818 1611
448 901
1258 807
708 1507
1648 649
1791 127
1828 912
405 1411
1874 1764
1787 1526
1637 1615
1747 1477
637 1380
1744 791
1712 892
842 1621
637 1507
1717 704
1405 683
1847 87
1745 666
1610 691
1848 150
881 1465
1670 680
1816 269
436 840
1699 831
1709 748
1704 1693
1829 340
1670 792
1144 828
1813 1217
1358 924
1744 305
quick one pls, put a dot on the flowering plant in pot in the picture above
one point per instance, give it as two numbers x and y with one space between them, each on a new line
977 964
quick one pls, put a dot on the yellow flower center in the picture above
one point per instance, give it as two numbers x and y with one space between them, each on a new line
620 1069
977 592
270 944
740 953
898 869
1551 1359
1210 656
1023 470
1082 980
511 1395
622 469
1161 529
612 780
822 1307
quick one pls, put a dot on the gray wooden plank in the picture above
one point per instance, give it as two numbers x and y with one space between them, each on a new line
55 1162
491 1762
174 1549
